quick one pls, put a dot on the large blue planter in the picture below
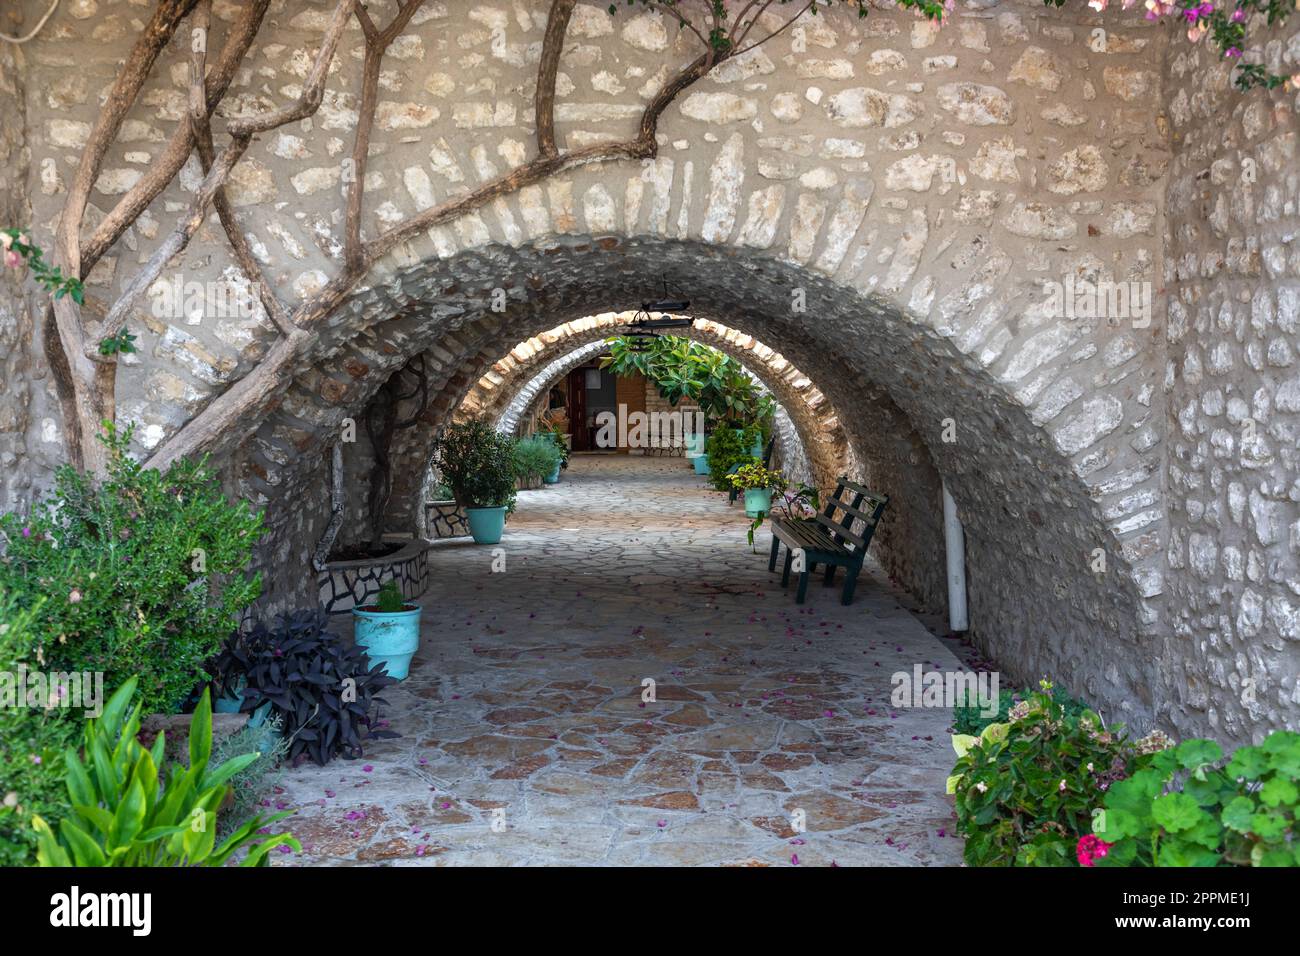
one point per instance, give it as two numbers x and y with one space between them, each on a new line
758 501
701 463
694 444
486 525
389 639
554 477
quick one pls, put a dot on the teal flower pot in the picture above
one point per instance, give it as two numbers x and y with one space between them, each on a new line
389 639
701 463
227 705
758 501
554 477
486 525
694 445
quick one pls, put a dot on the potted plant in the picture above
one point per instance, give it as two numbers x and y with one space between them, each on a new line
561 445
478 464
727 449
757 483
537 458
389 630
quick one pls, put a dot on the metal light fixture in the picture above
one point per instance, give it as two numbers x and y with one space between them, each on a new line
643 324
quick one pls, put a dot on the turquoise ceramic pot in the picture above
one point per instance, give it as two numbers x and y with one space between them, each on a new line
554 477
389 639
486 525
694 444
701 463
758 501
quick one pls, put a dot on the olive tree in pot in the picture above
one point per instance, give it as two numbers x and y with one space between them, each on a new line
478 463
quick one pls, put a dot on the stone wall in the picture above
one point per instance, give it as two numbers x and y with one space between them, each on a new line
1231 659
883 201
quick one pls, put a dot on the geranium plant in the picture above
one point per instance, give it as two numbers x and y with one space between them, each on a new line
1027 790
1192 808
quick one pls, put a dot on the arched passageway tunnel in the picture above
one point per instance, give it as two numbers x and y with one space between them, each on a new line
911 405
813 444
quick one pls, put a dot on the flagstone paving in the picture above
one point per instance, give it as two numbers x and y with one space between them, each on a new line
525 738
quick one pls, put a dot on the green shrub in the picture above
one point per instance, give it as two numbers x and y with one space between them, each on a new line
477 463
535 458
129 808
968 716
32 742
1027 791
726 447
1189 809
250 786
144 573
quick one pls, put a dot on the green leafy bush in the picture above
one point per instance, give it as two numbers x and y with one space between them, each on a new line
1027 790
130 808
32 742
681 368
727 447
754 476
535 458
477 463
144 573
1188 808
968 717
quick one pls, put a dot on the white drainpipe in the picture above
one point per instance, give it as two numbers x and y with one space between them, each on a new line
955 546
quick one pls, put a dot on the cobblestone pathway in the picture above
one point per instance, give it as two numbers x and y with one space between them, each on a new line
524 704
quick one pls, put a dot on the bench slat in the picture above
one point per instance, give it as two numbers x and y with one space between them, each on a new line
843 531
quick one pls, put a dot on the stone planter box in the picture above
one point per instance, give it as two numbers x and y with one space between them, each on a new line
445 519
348 584
177 729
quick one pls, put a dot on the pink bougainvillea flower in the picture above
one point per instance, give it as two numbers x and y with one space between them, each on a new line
1098 5
794 859
1232 52
13 259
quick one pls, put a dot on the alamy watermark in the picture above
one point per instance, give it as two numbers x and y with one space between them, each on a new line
1077 298
193 301
946 689
649 429
39 690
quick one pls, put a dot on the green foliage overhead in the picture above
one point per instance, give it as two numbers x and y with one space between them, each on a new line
681 368
129 807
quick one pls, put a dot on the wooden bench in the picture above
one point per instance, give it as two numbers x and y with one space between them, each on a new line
828 540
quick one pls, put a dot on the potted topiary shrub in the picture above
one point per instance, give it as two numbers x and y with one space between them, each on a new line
389 630
478 463
536 459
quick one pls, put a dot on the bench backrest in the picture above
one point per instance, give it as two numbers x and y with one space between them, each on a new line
855 504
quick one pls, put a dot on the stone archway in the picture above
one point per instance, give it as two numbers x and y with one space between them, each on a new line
893 239
503 387
1033 523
